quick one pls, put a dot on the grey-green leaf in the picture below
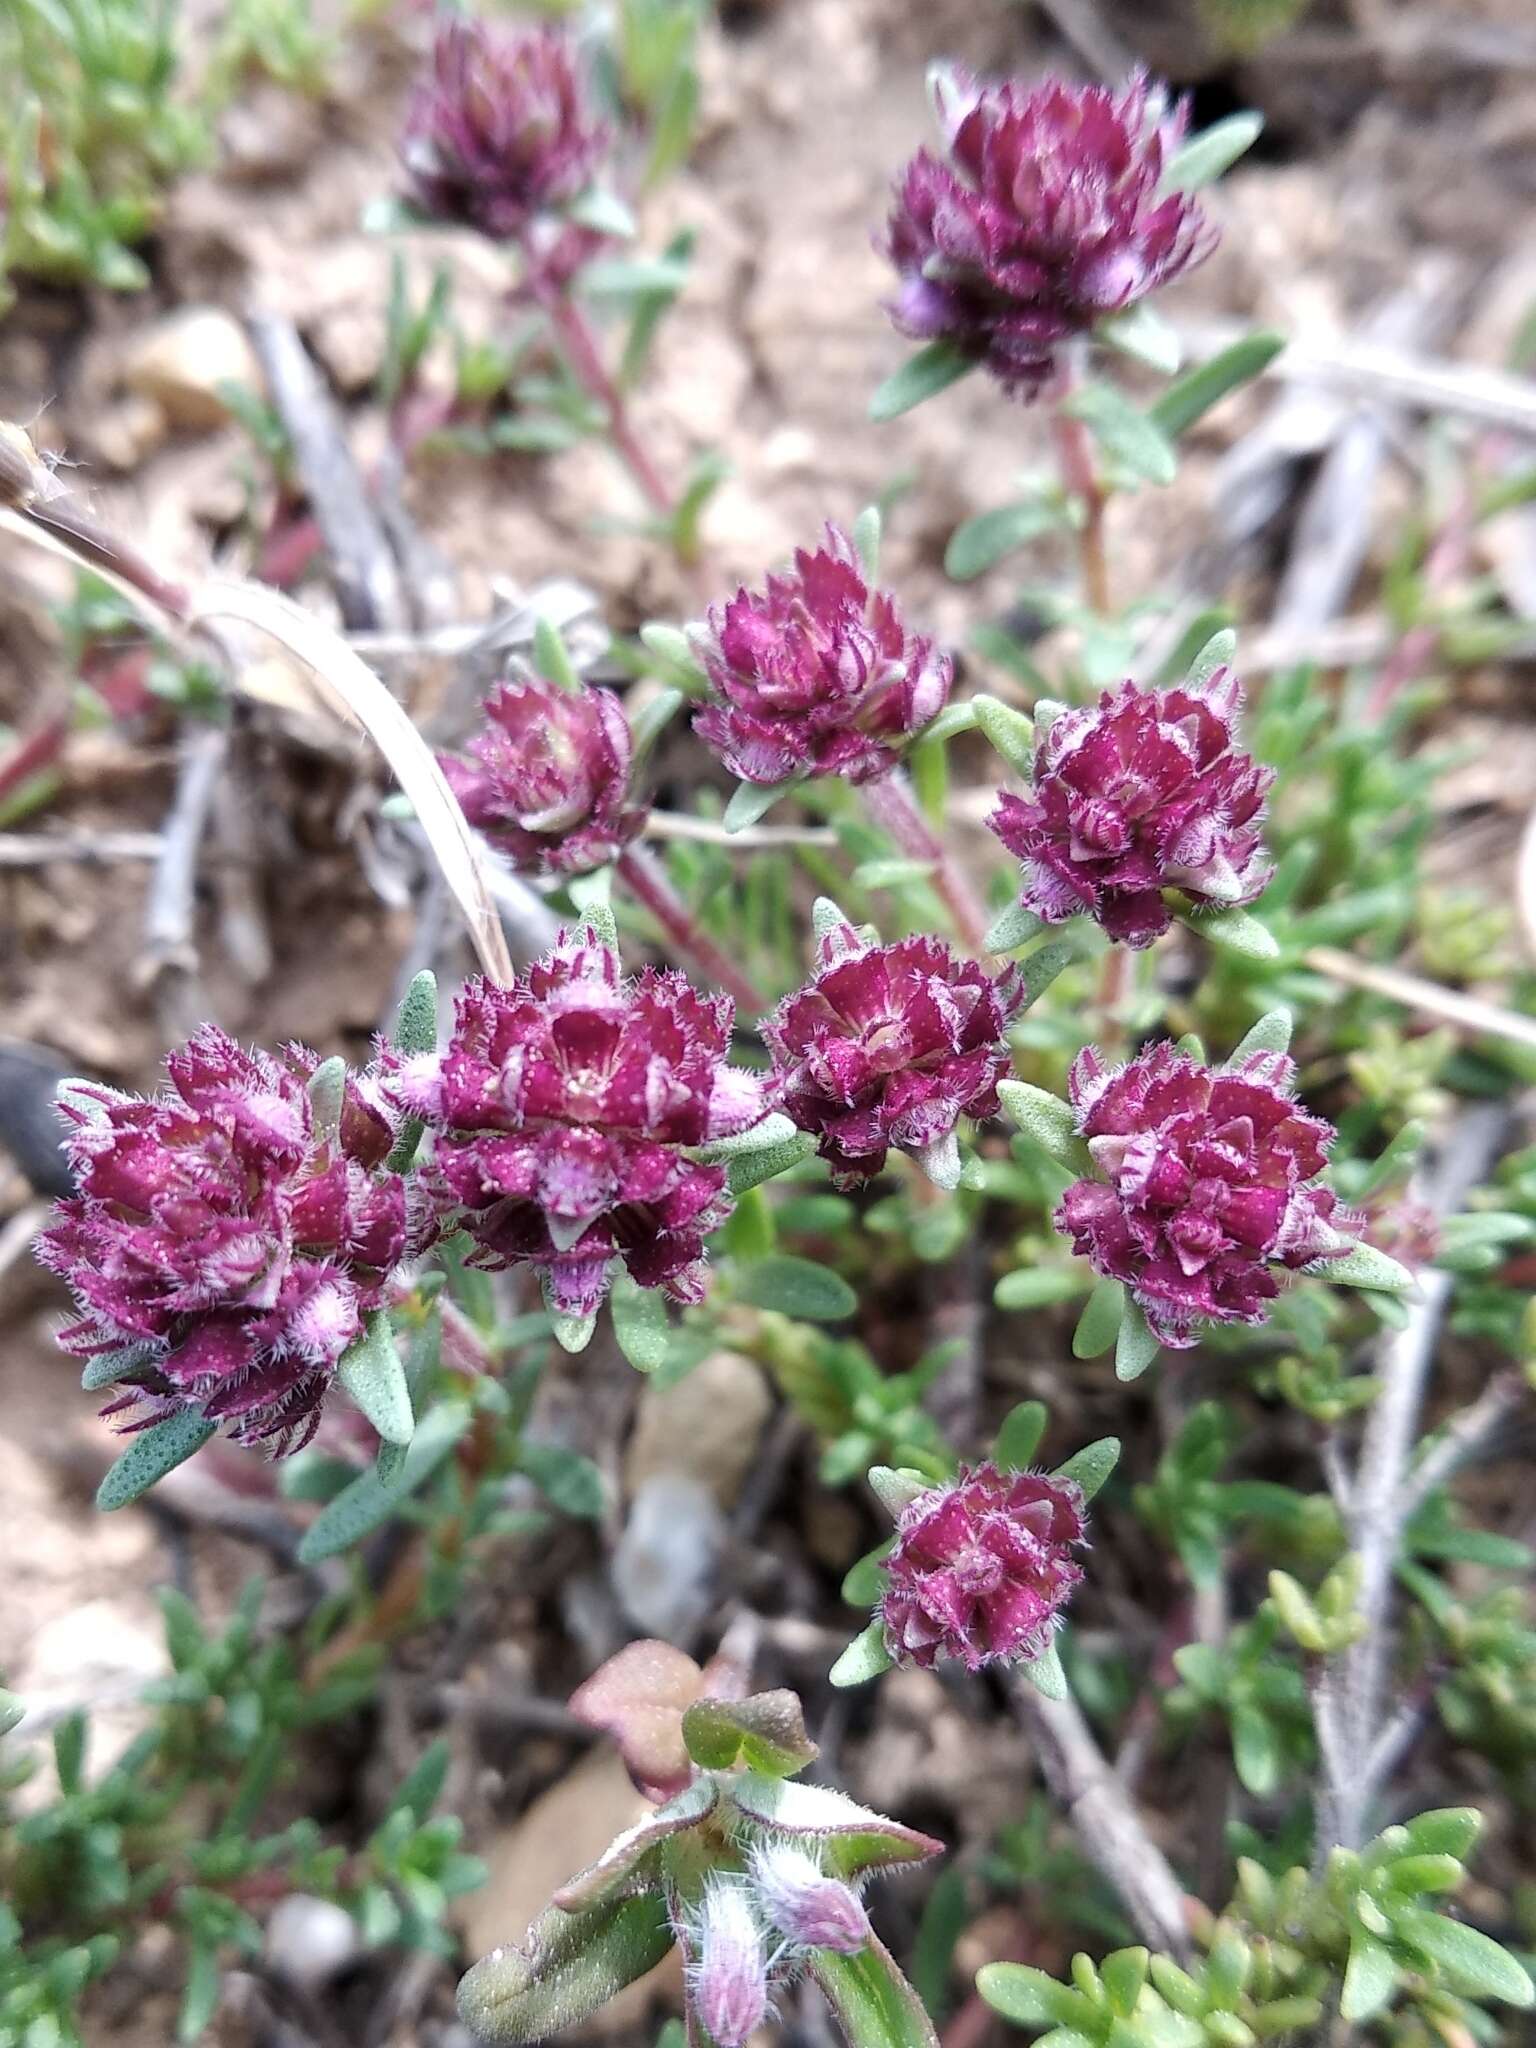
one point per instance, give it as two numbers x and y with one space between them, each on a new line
1044 1117
979 543
751 800
1125 433
1099 1324
373 1497
1272 1033
1045 1674
1013 927
1144 336
373 1373
924 375
641 1324
1365 1266
1238 930
1011 733
568 1966
1476 1965
875 2005
1206 156
152 1454
1018 1439
797 1287
1092 1465
1195 393
865 1658
1136 1346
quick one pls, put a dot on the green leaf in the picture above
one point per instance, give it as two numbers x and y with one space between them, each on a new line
771 1131
1010 732
1445 1831
1255 1751
200 1991
891 874
978 544
796 1287
1099 1324
866 542
415 1035
1041 1286
865 1658
765 1732
1365 1266
152 1454
747 1170
371 1499
1092 1465
619 1869
955 718
1204 158
640 1323
1272 1033
1144 336
850 1837
1238 930
571 1332
1193 396
1127 435
1474 1963
874 2004
1397 1159
1044 1117
1220 651
1041 969
69 1753
632 277
1369 1978
567 1479
674 650
568 1966
553 657
1136 1346
1019 1437
1013 927
864 1582
751 800
602 211
1045 1673
107 1367
1030 1997
932 370
373 1373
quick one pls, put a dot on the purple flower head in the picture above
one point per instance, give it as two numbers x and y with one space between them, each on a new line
981 1568
500 130
226 1240
566 1106
806 1906
1046 218
1210 1181
1147 791
891 1045
816 675
549 780
728 1973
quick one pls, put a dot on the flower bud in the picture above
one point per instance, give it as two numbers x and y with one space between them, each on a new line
1047 214
817 675
981 1568
1147 790
809 1908
728 1977
1209 1181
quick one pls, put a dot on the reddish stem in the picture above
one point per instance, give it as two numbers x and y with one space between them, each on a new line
892 806
580 344
29 757
646 881
109 553
1079 474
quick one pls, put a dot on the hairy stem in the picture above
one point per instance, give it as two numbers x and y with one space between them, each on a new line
892 806
1350 1696
1101 1810
645 878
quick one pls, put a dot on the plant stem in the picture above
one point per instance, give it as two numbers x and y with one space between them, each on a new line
580 344
892 806
1351 1692
1079 474
645 878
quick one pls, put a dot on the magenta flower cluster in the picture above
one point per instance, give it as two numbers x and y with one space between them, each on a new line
1209 1183
1148 791
817 675
548 778
224 1242
566 1107
890 1045
500 131
1047 217
982 1568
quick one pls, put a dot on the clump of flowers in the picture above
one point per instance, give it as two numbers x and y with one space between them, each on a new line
1148 790
891 1045
229 1236
755 1878
816 675
548 778
1047 216
568 1107
982 1568
501 130
1209 1183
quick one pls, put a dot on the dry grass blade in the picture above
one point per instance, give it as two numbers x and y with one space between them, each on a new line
351 687
1469 1013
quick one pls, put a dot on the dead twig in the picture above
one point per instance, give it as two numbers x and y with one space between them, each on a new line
1464 1437
170 910
1449 1005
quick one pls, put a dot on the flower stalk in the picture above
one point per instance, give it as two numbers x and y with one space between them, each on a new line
892 805
646 880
